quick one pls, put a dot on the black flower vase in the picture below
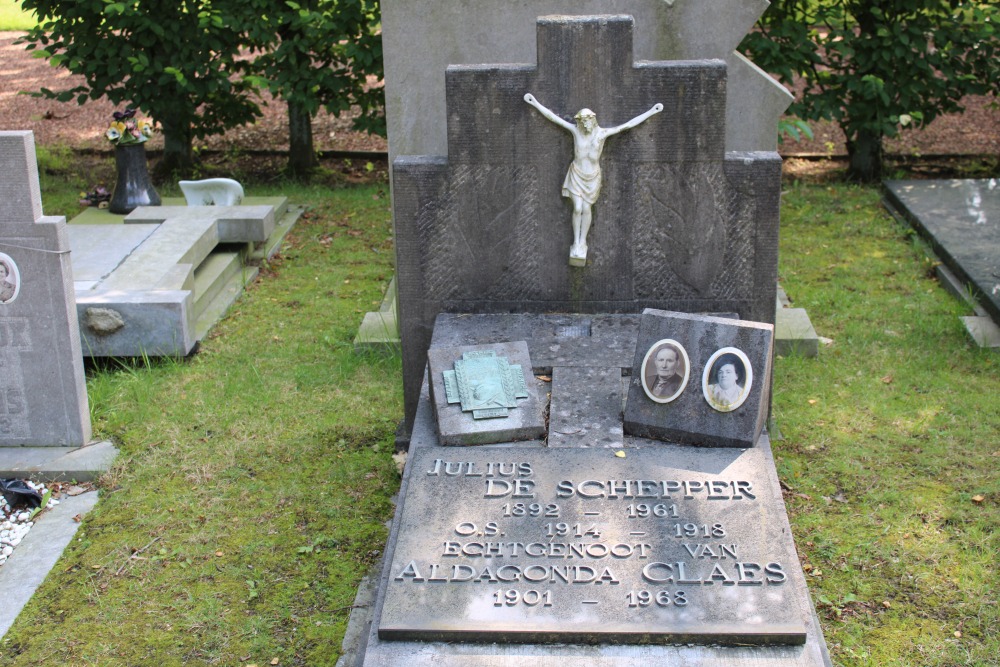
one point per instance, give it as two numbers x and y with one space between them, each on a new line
133 187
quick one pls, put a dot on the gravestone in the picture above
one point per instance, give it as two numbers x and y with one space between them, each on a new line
960 219
43 396
589 542
681 224
422 37
153 282
567 548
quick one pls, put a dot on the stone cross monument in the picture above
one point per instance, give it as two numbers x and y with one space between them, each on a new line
680 223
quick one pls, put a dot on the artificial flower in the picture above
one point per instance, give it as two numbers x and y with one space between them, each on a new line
125 129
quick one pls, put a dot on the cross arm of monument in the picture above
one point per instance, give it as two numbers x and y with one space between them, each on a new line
530 99
655 109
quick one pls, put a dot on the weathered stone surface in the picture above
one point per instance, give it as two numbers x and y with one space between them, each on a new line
43 396
486 230
456 426
661 546
794 333
234 224
410 623
553 340
983 330
586 407
165 271
422 37
961 220
690 418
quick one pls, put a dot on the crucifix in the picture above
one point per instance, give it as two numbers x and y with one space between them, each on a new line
583 178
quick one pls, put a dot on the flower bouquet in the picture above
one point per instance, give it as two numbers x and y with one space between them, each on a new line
126 129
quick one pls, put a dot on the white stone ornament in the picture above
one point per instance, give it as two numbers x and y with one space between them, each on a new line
583 179
212 192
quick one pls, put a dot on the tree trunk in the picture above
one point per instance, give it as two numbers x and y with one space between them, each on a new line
865 152
301 156
177 154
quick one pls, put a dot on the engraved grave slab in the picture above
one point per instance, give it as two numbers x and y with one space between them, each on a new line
668 545
485 394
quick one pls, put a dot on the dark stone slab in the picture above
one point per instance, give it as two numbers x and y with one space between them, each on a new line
961 220
666 545
524 421
586 407
599 340
690 418
680 224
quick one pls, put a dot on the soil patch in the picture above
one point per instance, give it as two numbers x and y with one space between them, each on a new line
952 144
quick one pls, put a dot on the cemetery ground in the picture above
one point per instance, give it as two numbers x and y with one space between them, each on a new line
256 475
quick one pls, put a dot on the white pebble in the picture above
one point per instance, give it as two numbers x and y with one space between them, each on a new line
6 551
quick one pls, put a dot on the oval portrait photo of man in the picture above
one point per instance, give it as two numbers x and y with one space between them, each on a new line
10 279
727 379
665 370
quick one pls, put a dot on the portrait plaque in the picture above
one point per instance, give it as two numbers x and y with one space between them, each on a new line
727 379
10 279
665 370
727 413
534 545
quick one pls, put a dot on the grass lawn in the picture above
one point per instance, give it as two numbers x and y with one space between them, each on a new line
256 476
12 18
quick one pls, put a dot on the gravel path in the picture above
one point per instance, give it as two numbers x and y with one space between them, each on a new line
83 126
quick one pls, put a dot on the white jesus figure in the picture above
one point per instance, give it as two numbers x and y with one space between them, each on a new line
583 179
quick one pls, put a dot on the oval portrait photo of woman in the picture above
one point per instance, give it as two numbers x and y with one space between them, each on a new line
727 379
10 279
665 370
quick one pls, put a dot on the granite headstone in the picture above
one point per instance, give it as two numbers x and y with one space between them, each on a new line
43 395
680 223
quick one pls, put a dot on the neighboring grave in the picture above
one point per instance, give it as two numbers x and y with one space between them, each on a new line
960 219
43 395
154 282
680 224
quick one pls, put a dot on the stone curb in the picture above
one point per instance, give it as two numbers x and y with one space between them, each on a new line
37 554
